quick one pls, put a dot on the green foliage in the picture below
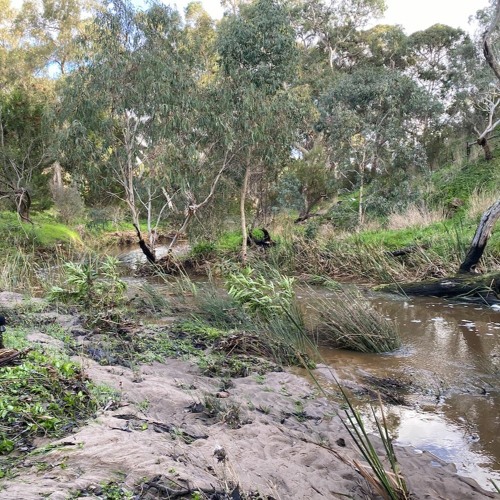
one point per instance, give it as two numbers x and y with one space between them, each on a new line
44 396
372 106
95 285
229 241
259 294
25 138
45 231
198 328
203 250
258 46
460 182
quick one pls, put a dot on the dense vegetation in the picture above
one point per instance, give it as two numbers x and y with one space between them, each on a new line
112 114
296 136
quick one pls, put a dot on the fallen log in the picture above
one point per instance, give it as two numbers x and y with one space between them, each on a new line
484 288
406 250
10 357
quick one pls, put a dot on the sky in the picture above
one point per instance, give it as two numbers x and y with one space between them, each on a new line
413 15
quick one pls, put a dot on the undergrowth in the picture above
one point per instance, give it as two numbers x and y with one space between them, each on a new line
45 395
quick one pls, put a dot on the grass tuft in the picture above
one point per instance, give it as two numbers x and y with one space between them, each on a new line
347 321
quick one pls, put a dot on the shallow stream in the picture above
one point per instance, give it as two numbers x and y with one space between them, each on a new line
449 371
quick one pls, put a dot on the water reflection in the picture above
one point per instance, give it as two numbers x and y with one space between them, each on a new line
450 355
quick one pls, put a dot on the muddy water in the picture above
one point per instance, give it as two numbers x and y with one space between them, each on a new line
450 365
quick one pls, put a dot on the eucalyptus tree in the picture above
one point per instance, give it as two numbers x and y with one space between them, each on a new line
50 29
436 54
313 174
259 107
332 26
24 144
482 94
129 107
37 42
372 118
24 98
385 45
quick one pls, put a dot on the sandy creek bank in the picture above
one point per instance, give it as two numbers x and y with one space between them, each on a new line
273 435
165 448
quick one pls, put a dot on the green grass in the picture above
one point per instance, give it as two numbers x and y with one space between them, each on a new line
44 232
229 241
460 182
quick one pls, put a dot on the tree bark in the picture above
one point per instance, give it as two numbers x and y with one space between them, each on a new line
145 249
483 142
480 239
244 244
23 204
487 50
361 200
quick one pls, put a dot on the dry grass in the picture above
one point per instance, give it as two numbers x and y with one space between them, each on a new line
415 215
479 202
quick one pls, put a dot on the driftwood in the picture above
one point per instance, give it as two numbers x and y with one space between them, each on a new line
485 287
483 232
9 357
144 247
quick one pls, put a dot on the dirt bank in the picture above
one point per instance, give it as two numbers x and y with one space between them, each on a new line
175 432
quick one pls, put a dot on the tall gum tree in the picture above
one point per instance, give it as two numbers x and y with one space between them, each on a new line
128 105
371 120
258 61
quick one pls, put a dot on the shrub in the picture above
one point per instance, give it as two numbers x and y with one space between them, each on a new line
95 285
68 203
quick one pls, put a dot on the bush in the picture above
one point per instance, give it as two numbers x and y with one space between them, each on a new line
68 202
95 285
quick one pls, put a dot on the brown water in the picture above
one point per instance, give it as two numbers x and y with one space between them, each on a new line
451 359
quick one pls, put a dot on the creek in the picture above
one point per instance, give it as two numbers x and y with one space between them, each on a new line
446 377
448 374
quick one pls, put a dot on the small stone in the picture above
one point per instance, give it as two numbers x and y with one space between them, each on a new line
222 394
341 442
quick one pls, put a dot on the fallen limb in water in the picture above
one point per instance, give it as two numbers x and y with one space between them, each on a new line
486 287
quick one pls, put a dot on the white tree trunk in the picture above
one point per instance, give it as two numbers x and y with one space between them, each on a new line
244 249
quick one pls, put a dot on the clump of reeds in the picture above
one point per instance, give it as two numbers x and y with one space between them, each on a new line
220 310
390 485
347 321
